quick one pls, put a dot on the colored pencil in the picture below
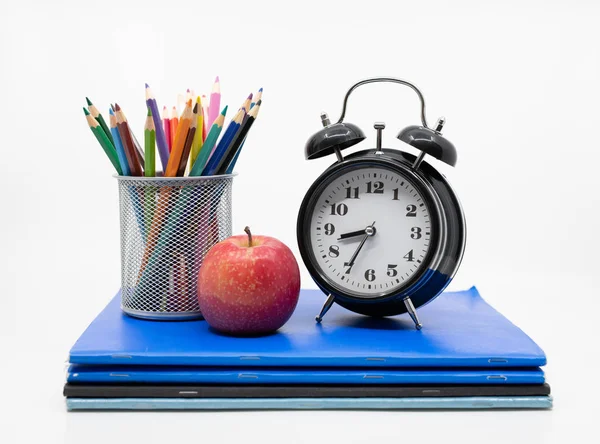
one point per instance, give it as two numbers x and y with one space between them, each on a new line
161 138
205 126
139 152
209 143
150 146
104 141
247 103
198 137
166 123
127 140
237 141
215 102
179 141
189 140
174 122
118 144
96 115
256 98
233 127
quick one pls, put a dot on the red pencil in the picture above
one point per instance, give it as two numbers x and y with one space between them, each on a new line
167 126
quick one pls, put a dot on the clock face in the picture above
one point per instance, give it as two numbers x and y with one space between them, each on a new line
370 231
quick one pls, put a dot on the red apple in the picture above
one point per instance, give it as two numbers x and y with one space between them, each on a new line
248 285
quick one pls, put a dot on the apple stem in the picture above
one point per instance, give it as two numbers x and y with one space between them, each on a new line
247 230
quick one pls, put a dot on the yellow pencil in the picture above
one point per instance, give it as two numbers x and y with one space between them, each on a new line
199 136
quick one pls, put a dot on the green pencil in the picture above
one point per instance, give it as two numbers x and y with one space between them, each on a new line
208 145
149 146
104 141
96 115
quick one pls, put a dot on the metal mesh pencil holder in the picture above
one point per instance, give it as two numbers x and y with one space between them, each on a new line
167 227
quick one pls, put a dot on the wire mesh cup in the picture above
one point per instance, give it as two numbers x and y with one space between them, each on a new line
167 227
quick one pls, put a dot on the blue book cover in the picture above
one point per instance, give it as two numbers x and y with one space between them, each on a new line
141 374
476 402
460 330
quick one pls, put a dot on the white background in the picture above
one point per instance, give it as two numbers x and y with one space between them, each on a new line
518 82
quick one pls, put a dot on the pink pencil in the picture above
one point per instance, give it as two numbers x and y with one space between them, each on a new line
214 108
167 126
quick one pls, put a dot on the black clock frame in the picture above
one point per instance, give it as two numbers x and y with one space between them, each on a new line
448 234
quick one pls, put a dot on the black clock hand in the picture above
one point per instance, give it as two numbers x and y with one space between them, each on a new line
351 234
369 231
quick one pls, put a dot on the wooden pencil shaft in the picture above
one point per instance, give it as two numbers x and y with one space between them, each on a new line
186 150
219 151
206 150
130 152
104 142
179 142
234 146
149 151
96 114
161 137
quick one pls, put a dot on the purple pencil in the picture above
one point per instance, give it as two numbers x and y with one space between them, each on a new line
161 140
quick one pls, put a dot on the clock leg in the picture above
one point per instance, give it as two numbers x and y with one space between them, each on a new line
326 307
413 313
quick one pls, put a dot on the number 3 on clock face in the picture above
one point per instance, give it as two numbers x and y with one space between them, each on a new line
370 231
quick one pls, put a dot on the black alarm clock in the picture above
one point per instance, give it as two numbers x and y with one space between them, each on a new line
381 231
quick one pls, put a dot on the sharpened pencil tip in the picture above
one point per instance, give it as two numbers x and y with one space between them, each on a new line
217 79
111 112
117 107
250 96
86 112
195 110
147 86
89 102
149 112
224 110
260 90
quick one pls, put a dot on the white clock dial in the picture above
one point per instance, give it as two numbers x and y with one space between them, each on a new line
376 217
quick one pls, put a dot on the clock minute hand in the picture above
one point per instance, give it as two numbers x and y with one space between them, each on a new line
369 231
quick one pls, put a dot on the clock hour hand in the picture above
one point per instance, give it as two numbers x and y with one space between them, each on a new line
369 231
352 234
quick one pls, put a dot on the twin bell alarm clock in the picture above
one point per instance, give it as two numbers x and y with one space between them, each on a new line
381 231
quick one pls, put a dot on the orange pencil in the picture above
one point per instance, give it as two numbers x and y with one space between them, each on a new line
179 141
173 122
187 147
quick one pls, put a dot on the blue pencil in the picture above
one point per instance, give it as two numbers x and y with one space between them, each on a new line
233 127
235 158
118 144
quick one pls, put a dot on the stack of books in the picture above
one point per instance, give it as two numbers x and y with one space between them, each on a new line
467 356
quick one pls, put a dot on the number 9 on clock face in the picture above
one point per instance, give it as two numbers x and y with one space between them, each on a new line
369 231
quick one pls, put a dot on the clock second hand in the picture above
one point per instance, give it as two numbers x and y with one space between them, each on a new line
369 231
